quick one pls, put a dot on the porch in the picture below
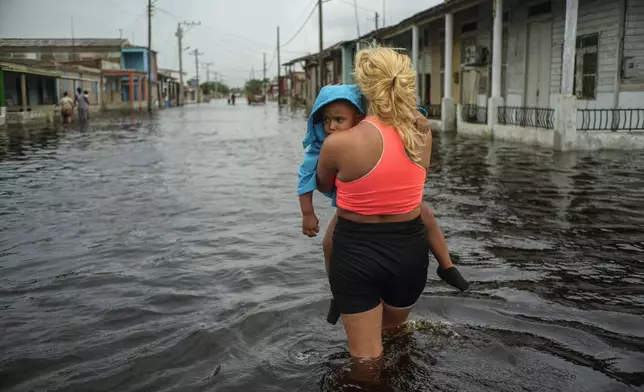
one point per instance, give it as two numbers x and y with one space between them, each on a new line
125 89
27 95
563 74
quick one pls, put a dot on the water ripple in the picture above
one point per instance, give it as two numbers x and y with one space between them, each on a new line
164 254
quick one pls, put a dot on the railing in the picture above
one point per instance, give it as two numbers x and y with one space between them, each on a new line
527 117
611 119
433 111
474 114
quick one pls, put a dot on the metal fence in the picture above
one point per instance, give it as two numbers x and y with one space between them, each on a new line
474 114
433 111
527 117
610 119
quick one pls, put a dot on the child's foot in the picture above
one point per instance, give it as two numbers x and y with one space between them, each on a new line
334 313
453 277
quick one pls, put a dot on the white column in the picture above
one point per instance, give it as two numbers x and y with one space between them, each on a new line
449 40
414 57
570 40
448 110
497 40
346 66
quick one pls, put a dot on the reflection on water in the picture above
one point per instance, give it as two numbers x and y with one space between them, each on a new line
163 254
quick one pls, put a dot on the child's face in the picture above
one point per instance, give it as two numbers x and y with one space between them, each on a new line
340 116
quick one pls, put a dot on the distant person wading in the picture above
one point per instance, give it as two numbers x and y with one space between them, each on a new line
82 102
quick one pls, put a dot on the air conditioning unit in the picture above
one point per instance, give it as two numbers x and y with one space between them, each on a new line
474 55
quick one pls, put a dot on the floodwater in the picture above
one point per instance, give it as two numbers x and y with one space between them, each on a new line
165 254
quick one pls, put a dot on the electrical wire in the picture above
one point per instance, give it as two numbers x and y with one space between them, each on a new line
315 6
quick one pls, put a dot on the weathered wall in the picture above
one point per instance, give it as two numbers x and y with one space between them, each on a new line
594 16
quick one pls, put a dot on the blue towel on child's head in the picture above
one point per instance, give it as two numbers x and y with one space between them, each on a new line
307 178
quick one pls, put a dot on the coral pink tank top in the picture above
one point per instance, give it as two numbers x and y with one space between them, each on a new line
393 187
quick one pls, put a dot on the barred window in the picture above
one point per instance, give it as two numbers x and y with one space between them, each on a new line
586 66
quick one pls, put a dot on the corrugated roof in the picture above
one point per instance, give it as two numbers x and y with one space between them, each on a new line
434 11
62 42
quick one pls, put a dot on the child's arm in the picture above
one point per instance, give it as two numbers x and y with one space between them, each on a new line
310 222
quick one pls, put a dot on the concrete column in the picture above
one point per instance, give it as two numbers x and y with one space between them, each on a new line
449 48
566 123
23 91
414 58
346 65
448 110
497 53
570 41
3 115
2 99
131 87
497 40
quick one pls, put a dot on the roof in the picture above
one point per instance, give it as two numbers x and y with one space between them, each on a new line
128 46
405 24
26 69
62 42
51 66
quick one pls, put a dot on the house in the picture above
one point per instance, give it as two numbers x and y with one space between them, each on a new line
564 74
30 90
170 86
124 67
62 49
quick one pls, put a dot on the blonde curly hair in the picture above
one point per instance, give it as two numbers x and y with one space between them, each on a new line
388 81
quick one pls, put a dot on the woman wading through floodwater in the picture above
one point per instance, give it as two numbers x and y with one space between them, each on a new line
379 256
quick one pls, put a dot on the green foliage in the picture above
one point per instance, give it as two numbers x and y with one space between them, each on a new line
254 86
219 87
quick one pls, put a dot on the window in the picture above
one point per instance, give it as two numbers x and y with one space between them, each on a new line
469 27
442 45
540 9
586 66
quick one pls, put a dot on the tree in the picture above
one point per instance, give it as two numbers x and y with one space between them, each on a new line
255 86
211 87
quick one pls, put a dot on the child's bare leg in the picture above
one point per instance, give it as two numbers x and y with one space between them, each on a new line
435 238
327 242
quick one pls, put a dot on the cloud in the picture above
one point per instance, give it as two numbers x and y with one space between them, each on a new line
234 34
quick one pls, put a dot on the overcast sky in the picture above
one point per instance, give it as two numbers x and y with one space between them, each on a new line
233 34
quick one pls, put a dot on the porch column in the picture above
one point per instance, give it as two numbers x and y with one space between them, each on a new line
497 53
570 40
23 91
414 58
448 110
2 99
145 89
346 65
140 86
130 78
566 109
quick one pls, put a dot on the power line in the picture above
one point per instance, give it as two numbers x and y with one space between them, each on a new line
357 6
301 27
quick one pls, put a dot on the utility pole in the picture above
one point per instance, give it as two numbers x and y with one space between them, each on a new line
377 16
207 67
196 53
279 65
321 58
264 77
179 34
150 56
383 13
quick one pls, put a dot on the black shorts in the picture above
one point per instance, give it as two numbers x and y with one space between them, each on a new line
374 262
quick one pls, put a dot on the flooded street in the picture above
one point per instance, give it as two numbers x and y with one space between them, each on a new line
165 254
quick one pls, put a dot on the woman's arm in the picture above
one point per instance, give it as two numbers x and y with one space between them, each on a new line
327 164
